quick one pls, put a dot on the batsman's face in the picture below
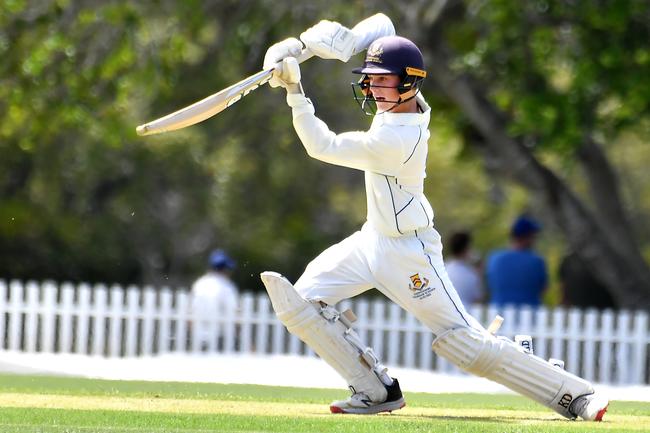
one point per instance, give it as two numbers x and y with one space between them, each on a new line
383 88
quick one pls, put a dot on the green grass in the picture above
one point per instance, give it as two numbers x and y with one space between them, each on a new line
54 404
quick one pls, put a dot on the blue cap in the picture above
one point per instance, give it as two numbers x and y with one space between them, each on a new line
219 260
524 226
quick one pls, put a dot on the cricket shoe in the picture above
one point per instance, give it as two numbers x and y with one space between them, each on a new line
590 407
360 404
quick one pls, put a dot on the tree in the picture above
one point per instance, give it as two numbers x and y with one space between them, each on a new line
83 198
562 77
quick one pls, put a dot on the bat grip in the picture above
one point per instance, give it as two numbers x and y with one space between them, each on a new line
304 55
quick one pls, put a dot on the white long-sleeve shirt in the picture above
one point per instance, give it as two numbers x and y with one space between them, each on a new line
392 154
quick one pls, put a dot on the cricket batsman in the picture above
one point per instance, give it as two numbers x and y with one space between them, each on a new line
398 250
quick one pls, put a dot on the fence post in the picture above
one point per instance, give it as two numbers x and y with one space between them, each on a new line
3 312
213 331
115 324
31 317
131 331
48 317
410 333
263 319
395 325
165 320
229 327
278 333
426 353
573 338
182 307
15 314
65 318
606 333
639 347
541 324
100 309
246 326
149 312
557 338
83 312
525 321
623 363
589 356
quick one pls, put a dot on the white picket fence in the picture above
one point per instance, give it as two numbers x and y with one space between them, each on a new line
606 347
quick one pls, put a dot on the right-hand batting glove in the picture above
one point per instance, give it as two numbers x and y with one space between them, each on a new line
288 72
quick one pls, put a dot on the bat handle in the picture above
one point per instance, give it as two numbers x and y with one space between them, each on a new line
304 55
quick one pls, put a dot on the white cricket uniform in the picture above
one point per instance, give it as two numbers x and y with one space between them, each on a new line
397 250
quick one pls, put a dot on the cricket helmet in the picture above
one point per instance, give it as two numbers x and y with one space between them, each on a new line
392 55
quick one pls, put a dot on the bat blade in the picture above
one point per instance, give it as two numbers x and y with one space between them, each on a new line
207 107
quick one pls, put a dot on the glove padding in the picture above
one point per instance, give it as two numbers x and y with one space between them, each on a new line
330 40
288 72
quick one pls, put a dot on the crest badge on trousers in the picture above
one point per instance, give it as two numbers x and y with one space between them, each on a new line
418 283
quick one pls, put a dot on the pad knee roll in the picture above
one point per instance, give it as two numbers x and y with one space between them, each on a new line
323 329
502 361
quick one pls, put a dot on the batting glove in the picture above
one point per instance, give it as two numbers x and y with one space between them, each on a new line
288 49
330 40
288 72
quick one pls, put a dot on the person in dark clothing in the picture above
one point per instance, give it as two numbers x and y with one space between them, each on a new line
580 287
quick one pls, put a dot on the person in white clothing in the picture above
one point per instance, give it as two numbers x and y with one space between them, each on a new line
397 250
464 274
214 295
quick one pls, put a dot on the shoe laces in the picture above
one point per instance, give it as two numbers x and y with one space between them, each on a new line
579 404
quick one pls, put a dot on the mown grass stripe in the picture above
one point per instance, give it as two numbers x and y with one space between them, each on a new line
413 420
229 407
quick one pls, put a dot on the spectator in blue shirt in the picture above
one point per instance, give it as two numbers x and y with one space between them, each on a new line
517 275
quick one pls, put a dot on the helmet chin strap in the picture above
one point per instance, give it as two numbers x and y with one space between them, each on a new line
399 102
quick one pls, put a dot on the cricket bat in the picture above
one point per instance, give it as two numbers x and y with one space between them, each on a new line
370 28
212 105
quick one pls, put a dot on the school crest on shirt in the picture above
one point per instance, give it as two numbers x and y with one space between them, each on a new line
418 283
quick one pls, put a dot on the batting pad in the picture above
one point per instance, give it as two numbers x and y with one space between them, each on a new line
322 329
502 361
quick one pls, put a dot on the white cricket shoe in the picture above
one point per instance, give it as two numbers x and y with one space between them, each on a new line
360 404
590 407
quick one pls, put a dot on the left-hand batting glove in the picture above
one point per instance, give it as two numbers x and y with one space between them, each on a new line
288 49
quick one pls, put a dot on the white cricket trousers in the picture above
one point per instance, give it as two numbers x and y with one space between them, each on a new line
408 269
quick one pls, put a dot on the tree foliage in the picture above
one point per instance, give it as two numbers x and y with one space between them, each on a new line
83 198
